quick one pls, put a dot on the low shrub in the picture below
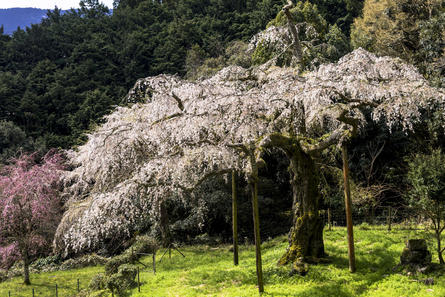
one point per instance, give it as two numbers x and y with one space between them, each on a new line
128 272
83 261
112 266
3 275
143 245
50 263
17 269
119 282
364 226
98 282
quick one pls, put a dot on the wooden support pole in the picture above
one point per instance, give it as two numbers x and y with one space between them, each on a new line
154 262
256 224
57 291
139 282
234 219
78 285
348 207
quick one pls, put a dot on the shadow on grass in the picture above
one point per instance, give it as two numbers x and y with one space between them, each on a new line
326 290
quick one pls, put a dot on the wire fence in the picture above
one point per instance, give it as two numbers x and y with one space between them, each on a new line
378 216
54 289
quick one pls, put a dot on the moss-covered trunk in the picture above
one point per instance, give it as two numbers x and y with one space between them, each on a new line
306 234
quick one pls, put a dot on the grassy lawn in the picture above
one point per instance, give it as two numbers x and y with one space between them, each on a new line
44 284
209 271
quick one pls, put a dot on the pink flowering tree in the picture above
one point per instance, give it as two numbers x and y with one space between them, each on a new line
30 208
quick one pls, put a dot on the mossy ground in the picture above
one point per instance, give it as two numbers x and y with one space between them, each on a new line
209 271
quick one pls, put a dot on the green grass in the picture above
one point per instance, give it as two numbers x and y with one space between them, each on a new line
44 283
209 271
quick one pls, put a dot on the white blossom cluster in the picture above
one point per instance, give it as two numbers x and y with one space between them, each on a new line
276 37
178 133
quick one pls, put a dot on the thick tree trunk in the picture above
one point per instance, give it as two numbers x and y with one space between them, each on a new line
165 226
26 280
306 235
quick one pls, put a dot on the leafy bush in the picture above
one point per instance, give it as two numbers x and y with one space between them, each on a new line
143 245
84 261
128 272
112 266
3 275
123 280
364 226
98 282
50 263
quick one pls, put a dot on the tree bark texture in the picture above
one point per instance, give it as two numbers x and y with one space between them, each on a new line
306 235
165 226
26 279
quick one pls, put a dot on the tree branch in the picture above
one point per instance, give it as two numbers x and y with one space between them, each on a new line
296 44
324 142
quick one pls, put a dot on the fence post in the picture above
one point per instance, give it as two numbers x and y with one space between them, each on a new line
78 286
57 291
32 292
139 282
154 262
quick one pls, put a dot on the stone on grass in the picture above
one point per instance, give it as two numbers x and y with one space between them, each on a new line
415 252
